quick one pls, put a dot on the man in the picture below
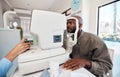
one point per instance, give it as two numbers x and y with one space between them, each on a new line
6 62
89 52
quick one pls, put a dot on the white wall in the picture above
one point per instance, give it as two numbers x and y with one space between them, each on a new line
3 8
62 6
85 14
1 17
94 13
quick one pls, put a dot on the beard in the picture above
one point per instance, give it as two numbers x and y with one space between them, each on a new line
72 31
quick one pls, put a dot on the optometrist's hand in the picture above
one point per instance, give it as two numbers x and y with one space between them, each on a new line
21 47
76 63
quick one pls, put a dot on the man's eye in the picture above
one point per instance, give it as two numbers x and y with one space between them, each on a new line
70 22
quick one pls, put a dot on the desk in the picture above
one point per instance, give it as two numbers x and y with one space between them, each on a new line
64 73
17 74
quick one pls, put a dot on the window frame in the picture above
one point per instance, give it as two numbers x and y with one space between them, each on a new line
98 18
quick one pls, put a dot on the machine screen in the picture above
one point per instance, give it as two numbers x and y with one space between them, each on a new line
57 38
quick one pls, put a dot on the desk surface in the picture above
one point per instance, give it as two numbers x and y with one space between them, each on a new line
17 74
64 73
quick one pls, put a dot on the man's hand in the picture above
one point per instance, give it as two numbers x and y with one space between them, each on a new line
76 63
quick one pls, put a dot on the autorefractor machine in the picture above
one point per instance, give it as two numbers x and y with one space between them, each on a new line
47 29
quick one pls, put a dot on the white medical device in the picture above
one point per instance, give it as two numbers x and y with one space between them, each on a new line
48 27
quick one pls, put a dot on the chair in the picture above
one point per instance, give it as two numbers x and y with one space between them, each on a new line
111 52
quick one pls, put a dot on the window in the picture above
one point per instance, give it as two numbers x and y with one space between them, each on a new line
109 21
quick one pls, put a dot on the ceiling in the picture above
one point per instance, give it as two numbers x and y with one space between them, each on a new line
51 5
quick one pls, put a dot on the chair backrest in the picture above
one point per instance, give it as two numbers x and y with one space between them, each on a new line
111 52
8 39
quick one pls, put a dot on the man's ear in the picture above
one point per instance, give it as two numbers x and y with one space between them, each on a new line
80 26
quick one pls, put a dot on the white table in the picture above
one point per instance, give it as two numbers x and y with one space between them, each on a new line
64 73
17 74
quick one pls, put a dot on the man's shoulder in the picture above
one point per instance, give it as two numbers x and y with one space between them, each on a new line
91 36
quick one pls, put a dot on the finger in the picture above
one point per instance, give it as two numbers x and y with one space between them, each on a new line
67 64
75 68
27 46
71 64
24 46
23 40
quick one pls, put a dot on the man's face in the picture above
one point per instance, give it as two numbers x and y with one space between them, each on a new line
71 25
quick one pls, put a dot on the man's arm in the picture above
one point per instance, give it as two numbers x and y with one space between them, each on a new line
101 61
76 61
99 64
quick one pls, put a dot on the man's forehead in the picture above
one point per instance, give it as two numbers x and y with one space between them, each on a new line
71 20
